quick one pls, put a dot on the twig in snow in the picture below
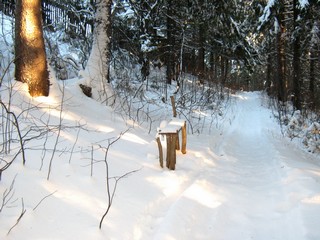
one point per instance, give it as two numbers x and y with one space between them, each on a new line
7 195
58 134
111 195
23 211
74 144
44 199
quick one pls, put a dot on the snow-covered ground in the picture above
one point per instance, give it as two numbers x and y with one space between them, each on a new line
243 181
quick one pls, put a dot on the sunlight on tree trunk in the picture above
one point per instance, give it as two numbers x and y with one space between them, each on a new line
30 56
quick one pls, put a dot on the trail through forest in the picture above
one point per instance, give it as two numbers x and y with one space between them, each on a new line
251 184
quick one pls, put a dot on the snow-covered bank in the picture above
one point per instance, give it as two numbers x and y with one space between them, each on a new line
244 181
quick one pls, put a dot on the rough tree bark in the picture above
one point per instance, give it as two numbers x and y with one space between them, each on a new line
281 61
170 59
296 59
30 55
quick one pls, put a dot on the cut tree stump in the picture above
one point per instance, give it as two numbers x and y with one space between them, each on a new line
160 152
171 133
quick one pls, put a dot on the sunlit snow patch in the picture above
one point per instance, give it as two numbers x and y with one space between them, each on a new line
201 192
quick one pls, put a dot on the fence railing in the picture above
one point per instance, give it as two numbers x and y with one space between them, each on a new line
75 20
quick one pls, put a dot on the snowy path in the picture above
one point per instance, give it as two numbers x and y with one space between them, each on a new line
255 190
249 185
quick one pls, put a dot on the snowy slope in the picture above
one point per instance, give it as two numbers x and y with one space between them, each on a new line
244 181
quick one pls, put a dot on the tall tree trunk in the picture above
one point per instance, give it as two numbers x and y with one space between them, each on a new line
30 55
296 59
268 77
144 35
98 64
170 44
202 28
314 59
312 77
224 64
201 53
281 60
269 69
213 67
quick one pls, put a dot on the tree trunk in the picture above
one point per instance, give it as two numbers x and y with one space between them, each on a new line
30 55
280 46
170 44
314 57
201 53
144 35
312 78
98 64
202 39
269 69
296 60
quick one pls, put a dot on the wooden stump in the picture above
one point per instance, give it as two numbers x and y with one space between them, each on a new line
171 132
174 111
184 138
160 151
171 150
177 142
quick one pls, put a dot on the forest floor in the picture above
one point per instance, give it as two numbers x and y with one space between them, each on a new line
244 180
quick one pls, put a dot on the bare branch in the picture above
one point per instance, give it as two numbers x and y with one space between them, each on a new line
74 144
44 199
23 211
58 134
109 193
111 197
16 124
8 195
